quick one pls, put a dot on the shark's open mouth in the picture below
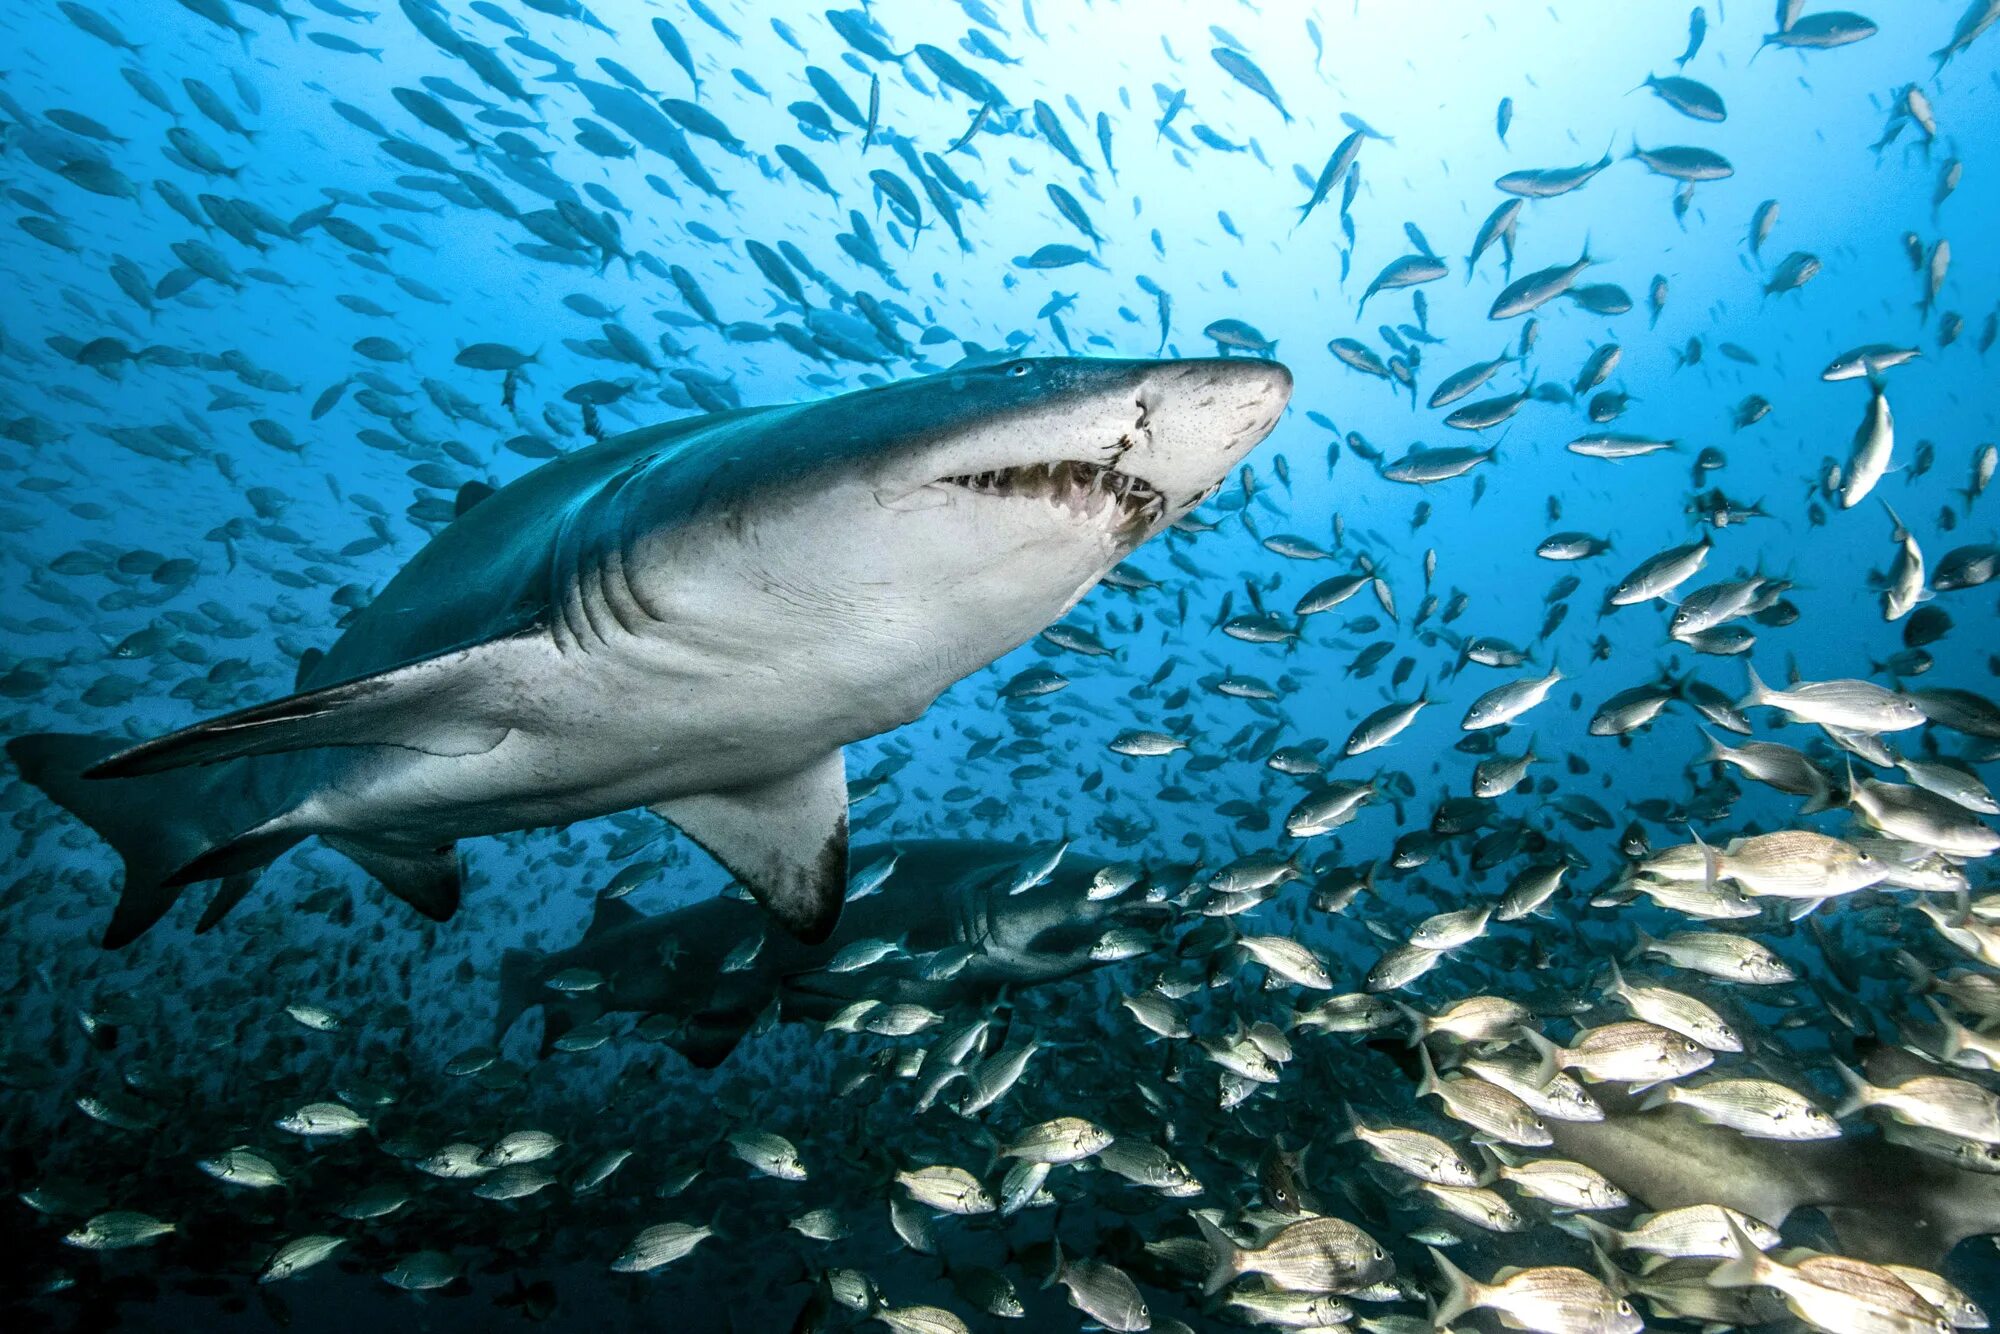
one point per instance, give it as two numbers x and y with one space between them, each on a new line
1086 487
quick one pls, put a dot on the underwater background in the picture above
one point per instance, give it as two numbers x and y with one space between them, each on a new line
249 245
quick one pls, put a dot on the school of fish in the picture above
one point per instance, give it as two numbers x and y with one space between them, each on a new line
618 709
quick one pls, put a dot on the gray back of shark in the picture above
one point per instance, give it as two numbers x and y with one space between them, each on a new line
942 894
694 618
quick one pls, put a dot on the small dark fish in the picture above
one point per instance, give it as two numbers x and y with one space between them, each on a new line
1697 29
1281 1177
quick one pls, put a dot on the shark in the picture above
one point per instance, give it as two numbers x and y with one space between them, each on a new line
1883 1201
942 895
694 618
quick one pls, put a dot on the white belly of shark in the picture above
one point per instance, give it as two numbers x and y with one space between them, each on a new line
694 618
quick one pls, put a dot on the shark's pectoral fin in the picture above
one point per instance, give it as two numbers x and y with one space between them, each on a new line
440 705
786 840
427 881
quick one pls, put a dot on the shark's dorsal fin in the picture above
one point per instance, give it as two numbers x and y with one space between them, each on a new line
785 839
610 915
308 661
469 495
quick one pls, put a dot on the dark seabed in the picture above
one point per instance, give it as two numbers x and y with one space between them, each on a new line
1382 614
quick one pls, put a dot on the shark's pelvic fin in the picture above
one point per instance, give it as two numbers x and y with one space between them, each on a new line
709 1037
427 881
786 840
227 895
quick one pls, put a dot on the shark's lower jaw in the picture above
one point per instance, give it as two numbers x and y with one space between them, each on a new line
1089 489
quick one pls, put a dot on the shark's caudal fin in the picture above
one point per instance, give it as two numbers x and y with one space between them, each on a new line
171 829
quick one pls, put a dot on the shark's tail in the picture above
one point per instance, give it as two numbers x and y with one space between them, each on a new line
520 989
172 829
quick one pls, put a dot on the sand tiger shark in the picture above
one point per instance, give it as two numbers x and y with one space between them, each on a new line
1884 1201
945 900
693 618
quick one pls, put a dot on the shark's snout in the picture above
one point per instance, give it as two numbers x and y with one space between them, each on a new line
1201 417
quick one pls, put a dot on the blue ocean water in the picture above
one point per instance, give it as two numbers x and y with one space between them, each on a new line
250 244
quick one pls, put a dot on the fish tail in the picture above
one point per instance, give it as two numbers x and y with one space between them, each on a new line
1953 1041
1711 861
1714 752
170 829
1351 1132
1758 693
1228 1256
1414 1020
1749 1266
1602 1237
1548 1057
1461 1291
1428 1084
1857 1094
1058 1264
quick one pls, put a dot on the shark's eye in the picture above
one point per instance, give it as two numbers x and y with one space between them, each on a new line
1018 369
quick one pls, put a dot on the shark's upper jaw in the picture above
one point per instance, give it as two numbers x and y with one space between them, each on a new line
1119 449
1090 490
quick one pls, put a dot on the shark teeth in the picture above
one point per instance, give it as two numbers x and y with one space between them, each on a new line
1084 486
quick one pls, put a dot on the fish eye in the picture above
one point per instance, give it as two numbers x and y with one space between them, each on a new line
1624 1307
1378 1252
1018 369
